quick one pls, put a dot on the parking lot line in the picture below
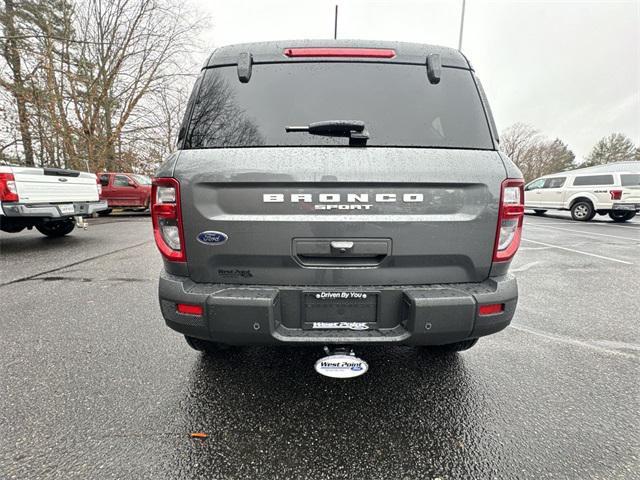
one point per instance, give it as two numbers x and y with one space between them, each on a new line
565 221
573 341
578 251
73 264
579 232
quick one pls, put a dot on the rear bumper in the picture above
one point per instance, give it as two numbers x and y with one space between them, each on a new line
630 207
413 315
52 210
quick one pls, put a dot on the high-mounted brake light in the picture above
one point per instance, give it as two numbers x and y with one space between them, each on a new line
167 218
340 52
510 218
615 194
8 189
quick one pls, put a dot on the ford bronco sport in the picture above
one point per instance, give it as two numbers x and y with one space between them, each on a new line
337 193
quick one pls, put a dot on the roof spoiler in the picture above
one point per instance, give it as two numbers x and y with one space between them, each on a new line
245 64
434 67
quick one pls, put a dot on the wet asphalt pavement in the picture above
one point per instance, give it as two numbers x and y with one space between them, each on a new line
93 385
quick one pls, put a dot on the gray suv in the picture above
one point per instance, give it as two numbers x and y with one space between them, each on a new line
337 193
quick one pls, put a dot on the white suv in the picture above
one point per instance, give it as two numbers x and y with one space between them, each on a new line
585 194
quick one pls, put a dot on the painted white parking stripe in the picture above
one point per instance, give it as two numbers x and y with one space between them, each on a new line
578 251
524 267
579 343
580 232
562 221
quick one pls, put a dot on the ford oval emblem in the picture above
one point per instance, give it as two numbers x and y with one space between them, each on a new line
212 238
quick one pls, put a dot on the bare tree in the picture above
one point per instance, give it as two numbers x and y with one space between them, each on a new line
100 86
128 48
535 154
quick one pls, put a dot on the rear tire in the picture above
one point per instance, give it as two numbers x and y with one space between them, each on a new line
451 347
205 346
618 216
539 212
56 229
104 213
582 211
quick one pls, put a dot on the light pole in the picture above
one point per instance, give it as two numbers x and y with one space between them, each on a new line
461 25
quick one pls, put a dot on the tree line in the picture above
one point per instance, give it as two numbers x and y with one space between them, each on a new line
100 85
537 155
93 84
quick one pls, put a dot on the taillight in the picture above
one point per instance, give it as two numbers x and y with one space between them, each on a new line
167 218
510 218
340 52
99 185
615 194
8 189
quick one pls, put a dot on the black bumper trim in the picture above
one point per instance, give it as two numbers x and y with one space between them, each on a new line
414 315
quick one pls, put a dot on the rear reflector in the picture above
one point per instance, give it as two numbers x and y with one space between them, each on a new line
187 309
340 52
491 309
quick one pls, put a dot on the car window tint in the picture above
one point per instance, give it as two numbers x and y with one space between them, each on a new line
630 180
104 180
121 181
536 184
593 180
397 103
554 182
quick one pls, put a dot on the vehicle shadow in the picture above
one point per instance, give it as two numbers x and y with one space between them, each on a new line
257 403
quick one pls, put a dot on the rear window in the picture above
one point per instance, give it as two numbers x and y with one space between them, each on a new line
594 180
631 180
396 102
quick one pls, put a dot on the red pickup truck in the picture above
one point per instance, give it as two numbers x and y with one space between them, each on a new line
125 190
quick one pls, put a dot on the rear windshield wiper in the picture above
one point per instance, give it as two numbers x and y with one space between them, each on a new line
354 129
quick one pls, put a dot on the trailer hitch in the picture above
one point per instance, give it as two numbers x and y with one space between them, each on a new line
341 362
81 222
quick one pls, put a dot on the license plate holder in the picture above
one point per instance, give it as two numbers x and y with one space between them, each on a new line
344 310
68 209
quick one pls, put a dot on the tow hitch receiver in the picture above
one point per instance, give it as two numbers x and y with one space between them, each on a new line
341 362
80 222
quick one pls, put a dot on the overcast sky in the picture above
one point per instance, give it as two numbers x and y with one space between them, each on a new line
569 68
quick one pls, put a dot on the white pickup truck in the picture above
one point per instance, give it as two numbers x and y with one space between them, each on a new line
51 199
585 193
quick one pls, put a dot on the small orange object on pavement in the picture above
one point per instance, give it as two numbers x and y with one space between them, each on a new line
199 435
